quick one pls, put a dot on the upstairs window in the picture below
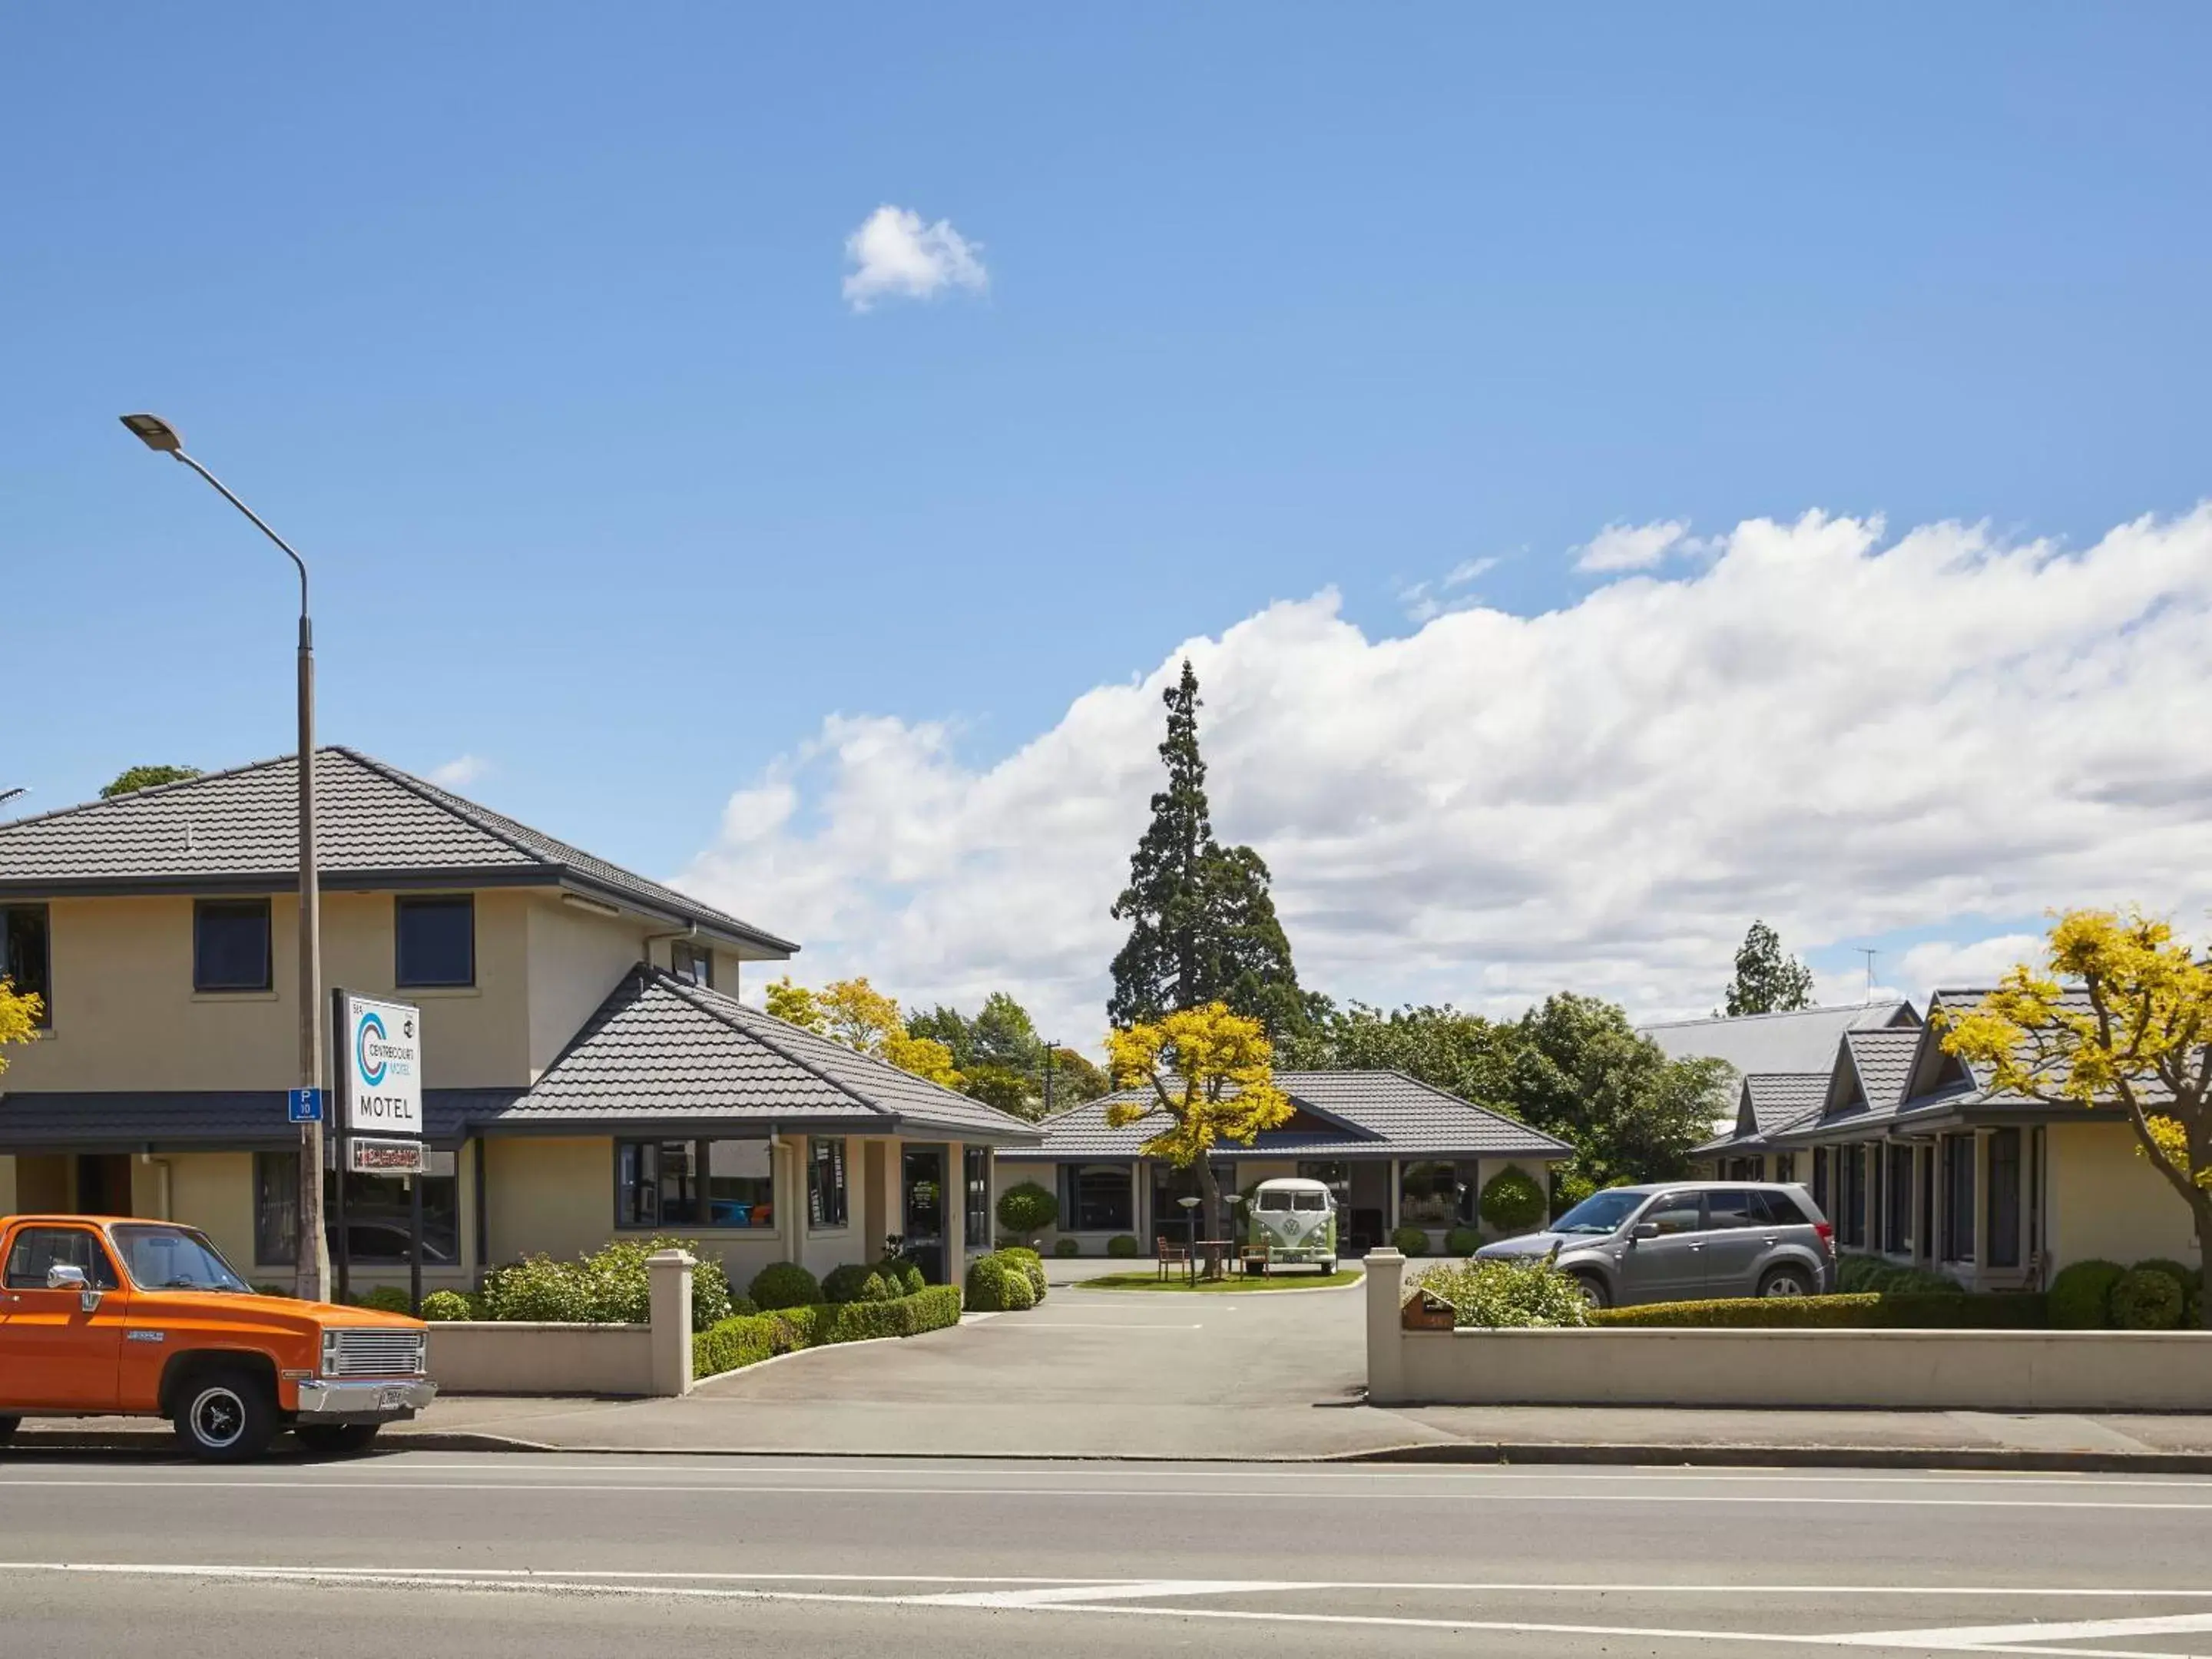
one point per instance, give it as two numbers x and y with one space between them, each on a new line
436 941
695 963
230 944
24 956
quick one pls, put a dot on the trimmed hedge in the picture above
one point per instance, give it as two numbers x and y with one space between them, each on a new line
1511 1200
1065 1248
1854 1273
2148 1299
1955 1311
2081 1294
385 1298
785 1285
448 1306
747 1340
1410 1241
1005 1281
854 1283
1124 1246
610 1286
1462 1241
1032 1267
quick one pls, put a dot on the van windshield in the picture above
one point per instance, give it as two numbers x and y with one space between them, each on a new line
1311 1201
173 1259
1601 1213
1274 1201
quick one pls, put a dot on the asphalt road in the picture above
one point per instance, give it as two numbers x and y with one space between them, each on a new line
558 1558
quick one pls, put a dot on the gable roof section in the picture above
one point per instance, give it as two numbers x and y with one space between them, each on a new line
1369 1114
1768 1104
661 1053
1800 1042
376 826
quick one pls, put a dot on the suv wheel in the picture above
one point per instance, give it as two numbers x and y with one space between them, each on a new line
1786 1281
225 1416
1594 1294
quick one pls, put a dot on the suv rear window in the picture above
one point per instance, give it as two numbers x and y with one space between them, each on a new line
1752 1206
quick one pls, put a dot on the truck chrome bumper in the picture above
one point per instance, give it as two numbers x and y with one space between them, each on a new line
363 1401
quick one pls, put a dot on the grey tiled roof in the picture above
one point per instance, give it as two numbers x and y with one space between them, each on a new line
32 1120
1755 1044
1884 1061
1769 1104
661 1051
1364 1115
376 825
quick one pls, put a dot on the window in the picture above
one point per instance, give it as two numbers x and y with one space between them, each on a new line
1785 1167
38 1248
175 1258
1897 1202
825 1181
976 1166
1958 1198
1309 1201
2004 1197
378 1214
230 944
1740 1208
1679 1213
1821 1181
695 963
694 1183
437 941
25 957
1850 1195
1429 1196
1095 1198
1334 1173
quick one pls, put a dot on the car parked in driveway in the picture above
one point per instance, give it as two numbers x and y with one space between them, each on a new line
1681 1241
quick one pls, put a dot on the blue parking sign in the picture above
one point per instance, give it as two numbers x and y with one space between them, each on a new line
304 1105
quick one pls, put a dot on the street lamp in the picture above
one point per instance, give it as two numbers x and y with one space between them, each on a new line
312 1276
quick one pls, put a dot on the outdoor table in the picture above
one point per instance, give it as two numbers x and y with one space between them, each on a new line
1217 1256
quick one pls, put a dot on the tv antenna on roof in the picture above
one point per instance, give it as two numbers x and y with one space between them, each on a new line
1869 953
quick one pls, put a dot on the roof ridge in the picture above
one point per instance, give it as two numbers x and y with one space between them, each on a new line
688 992
100 801
1778 1013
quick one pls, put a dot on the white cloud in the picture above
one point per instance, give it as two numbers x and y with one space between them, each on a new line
1844 737
1425 600
1946 964
459 772
895 253
1632 547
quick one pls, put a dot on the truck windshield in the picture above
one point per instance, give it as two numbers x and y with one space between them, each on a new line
1601 1213
172 1259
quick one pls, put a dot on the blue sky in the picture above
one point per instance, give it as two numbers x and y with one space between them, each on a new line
526 323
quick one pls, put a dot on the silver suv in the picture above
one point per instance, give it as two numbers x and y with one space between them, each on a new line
1679 1241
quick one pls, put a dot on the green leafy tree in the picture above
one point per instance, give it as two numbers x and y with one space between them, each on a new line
1202 924
1003 1063
145 777
1766 982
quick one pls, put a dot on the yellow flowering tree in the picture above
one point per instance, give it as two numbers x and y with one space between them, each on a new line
18 1016
1209 1073
2121 1012
854 1012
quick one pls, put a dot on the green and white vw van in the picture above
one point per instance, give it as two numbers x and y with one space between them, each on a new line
1294 1222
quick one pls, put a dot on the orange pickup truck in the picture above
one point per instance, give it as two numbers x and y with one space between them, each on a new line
105 1315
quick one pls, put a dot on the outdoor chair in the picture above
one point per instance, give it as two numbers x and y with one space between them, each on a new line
1171 1253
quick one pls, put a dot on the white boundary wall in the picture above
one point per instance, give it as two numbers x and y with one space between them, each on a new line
515 1357
1926 1370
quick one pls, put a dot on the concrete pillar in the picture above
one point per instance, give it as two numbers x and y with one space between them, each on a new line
1390 1215
1139 1224
1386 1351
670 1275
956 1211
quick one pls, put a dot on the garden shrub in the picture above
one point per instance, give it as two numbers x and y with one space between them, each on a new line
1064 1248
275 1290
854 1283
748 1338
903 1277
1952 1310
1512 1202
987 1279
1123 1246
784 1284
1031 1264
444 1307
1525 1294
1020 1297
610 1286
2080 1296
1027 1210
2187 1277
1854 1273
1410 1241
2147 1299
385 1298
1462 1241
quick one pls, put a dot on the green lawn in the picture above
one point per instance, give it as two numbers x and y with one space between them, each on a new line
1290 1279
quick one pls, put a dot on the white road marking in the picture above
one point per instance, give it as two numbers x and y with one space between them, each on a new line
1137 1589
461 1580
1982 1638
1102 1325
1132 1494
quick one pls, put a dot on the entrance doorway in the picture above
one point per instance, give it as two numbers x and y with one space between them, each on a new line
103 1183
921 1195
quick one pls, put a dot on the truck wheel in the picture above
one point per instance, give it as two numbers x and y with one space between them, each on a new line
338 1439
7 1427
225 1416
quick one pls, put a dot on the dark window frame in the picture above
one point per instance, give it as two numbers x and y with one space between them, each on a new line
702 1180
276 1244
1958 1184
975 1177
828 1201
694 963
43 986
99 1255
1075 1211
203 908
406 903
1897 1199
2007 1166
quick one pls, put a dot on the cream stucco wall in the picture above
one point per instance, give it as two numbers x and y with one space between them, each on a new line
576 957
549 1195
2106 1202
7 1185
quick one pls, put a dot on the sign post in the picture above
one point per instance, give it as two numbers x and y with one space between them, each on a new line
380 1111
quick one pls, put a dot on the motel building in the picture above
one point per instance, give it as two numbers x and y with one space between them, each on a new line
589 1073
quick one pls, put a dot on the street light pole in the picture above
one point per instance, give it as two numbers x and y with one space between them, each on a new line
312 1272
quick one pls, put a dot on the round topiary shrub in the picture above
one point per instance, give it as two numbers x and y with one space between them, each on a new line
1027 1210
2182 1274
1410 1241
2080 1296
989 1278
1462 1241
1122 1246
845 1284
876 1288
1019 1296
1030 1266
2147 1299
444 1307
1064 1248
785 1285
1512 1202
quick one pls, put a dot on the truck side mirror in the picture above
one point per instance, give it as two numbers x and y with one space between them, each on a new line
65 1276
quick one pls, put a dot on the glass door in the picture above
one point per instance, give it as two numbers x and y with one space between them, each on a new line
921 1190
